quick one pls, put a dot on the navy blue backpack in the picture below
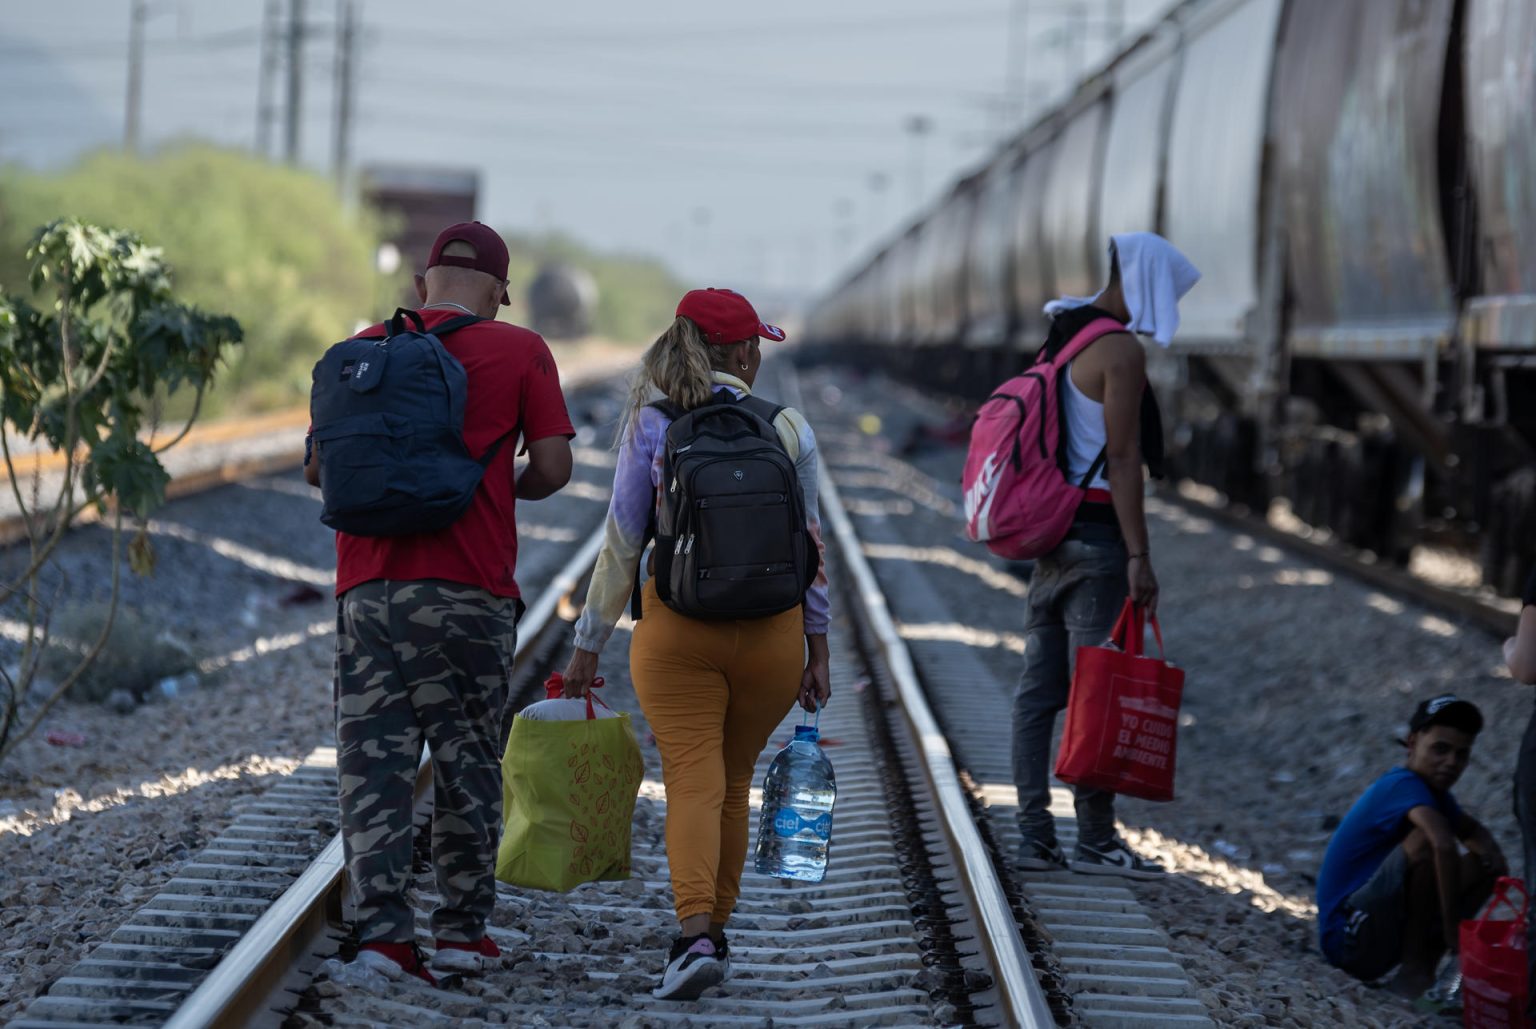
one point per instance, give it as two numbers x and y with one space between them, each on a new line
388 414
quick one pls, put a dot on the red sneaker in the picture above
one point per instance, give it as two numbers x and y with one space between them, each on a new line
465 958
396 960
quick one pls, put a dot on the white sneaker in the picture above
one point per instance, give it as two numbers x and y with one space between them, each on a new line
395 961
692 968
465 958
1116 859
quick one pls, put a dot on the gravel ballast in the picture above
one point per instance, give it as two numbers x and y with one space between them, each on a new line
243 579
1300 680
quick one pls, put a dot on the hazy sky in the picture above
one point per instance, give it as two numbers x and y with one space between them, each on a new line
746 145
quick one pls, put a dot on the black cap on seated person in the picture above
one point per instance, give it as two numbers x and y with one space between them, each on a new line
1449 710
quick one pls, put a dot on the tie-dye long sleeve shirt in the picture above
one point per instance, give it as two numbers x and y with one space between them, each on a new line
636 496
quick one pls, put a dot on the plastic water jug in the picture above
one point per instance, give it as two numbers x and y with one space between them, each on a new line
795 829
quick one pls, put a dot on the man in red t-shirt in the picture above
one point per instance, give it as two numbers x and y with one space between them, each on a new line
425 631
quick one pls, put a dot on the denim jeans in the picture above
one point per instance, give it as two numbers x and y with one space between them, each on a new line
1075 595
1525 814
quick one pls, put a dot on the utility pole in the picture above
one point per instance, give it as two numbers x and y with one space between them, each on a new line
1015 84
1114 21
346 40
918 126
138 13
842 231
266 76
294 124
877 182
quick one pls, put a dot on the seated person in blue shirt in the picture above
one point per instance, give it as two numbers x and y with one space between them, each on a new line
1395 884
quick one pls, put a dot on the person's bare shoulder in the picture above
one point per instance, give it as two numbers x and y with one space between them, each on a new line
1118 351
1119 347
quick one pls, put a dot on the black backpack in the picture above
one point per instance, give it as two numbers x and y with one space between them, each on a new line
731 540
388 415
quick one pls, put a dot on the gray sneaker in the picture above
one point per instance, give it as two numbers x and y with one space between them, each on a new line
1039 856
1115 859
1443 998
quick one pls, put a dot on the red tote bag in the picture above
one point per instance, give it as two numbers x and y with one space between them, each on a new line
1123 715
1493 987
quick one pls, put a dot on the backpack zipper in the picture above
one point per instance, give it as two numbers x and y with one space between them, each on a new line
1043 387
1016 452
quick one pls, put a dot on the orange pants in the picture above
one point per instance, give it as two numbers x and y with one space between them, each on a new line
712 693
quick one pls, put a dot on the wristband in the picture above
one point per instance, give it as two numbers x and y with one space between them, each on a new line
1144 553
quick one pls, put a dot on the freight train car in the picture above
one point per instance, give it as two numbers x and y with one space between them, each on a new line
1356 181
414 203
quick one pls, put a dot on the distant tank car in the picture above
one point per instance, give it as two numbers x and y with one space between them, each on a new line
1356 181
562 301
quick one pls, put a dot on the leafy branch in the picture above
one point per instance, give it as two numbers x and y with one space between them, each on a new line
79 375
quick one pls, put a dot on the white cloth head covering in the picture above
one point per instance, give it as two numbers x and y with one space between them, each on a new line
1154 276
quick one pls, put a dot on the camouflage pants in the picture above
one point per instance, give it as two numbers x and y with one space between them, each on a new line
421 662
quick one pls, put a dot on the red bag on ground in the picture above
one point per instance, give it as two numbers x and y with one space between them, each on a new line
1122 715
1493 986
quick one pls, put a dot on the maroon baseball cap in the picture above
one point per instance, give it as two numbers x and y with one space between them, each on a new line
724 316
490 252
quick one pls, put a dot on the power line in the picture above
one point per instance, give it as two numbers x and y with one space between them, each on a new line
295 80
771 90
603 133
226 40
742 33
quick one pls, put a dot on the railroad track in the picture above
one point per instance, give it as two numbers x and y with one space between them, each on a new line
211 456
913 925
223 452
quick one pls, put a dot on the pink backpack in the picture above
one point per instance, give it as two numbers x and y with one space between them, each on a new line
1017 500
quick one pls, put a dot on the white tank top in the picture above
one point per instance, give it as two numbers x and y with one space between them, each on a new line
1085 433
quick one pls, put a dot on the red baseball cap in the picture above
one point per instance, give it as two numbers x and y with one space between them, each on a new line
724 316
490 252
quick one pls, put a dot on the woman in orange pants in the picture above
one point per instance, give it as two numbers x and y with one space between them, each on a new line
711 690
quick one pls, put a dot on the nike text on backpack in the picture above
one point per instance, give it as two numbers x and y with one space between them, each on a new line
731 540
388 415
1018 500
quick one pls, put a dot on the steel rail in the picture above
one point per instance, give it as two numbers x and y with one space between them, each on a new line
243 983
13 528
228 430
1019 992
1022 998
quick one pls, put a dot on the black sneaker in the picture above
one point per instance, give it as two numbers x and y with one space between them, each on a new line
723 955
1039 856
693 966
1116 859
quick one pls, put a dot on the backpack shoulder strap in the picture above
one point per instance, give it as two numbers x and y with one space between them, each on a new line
455 324
1094 330
767 410
1087 334
667 408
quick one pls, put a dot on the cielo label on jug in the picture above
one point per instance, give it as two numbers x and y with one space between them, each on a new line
789 822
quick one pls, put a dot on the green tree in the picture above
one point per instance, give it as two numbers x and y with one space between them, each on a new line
80 372
269 244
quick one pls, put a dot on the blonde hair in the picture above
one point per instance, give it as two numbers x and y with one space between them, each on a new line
679 366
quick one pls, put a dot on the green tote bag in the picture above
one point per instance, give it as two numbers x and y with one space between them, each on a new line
568 793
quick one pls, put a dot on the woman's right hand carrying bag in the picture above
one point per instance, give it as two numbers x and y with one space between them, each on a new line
1123 715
